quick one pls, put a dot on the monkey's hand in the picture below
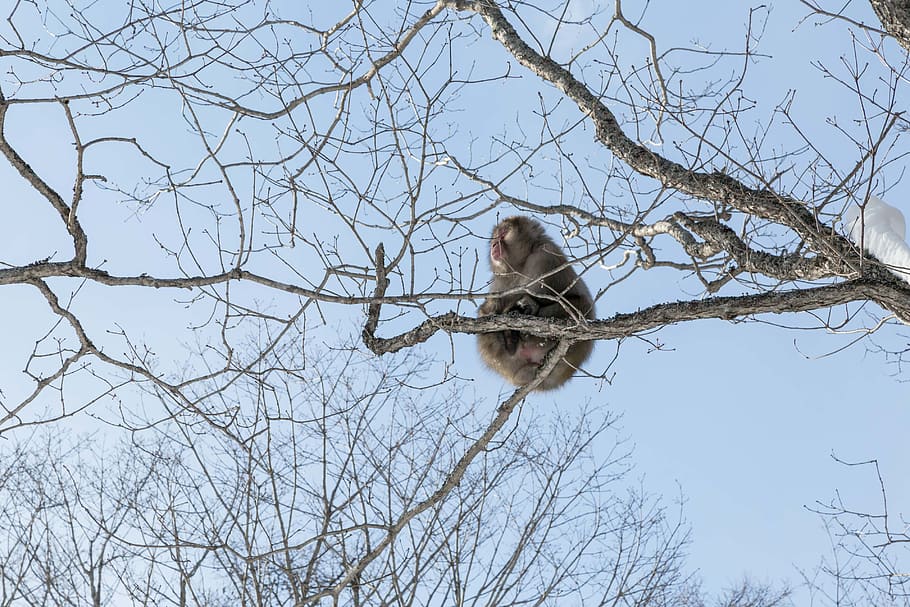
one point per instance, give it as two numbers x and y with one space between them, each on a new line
526 305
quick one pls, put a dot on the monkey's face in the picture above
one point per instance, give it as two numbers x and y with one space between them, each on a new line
506 246
499 245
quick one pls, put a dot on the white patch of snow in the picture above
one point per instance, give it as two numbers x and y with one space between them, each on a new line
881 230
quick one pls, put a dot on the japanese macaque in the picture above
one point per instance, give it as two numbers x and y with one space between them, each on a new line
525 260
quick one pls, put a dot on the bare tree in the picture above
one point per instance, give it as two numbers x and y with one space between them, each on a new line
237 178
186 516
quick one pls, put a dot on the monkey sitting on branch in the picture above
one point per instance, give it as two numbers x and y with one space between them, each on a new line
525 260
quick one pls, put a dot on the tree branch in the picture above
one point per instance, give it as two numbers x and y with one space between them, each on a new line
891 294
895 18
715 186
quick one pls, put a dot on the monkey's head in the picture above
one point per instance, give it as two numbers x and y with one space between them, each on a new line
512 242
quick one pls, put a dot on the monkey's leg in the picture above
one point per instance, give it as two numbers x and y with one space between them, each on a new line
510 341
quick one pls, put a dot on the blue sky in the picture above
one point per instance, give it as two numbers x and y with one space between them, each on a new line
741 419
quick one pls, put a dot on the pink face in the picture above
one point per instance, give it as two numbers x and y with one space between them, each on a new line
499 245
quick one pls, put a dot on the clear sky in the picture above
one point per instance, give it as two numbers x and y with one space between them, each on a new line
743 419
740 419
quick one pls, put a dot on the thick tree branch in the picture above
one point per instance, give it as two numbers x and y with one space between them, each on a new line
889 293
895 18
80 240
714 186
787 266
382 283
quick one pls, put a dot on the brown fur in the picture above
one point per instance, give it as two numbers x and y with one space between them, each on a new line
523 257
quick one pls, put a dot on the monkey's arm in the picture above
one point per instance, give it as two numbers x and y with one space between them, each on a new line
556 289
571 305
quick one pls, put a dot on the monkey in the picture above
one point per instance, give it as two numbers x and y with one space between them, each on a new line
522 256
